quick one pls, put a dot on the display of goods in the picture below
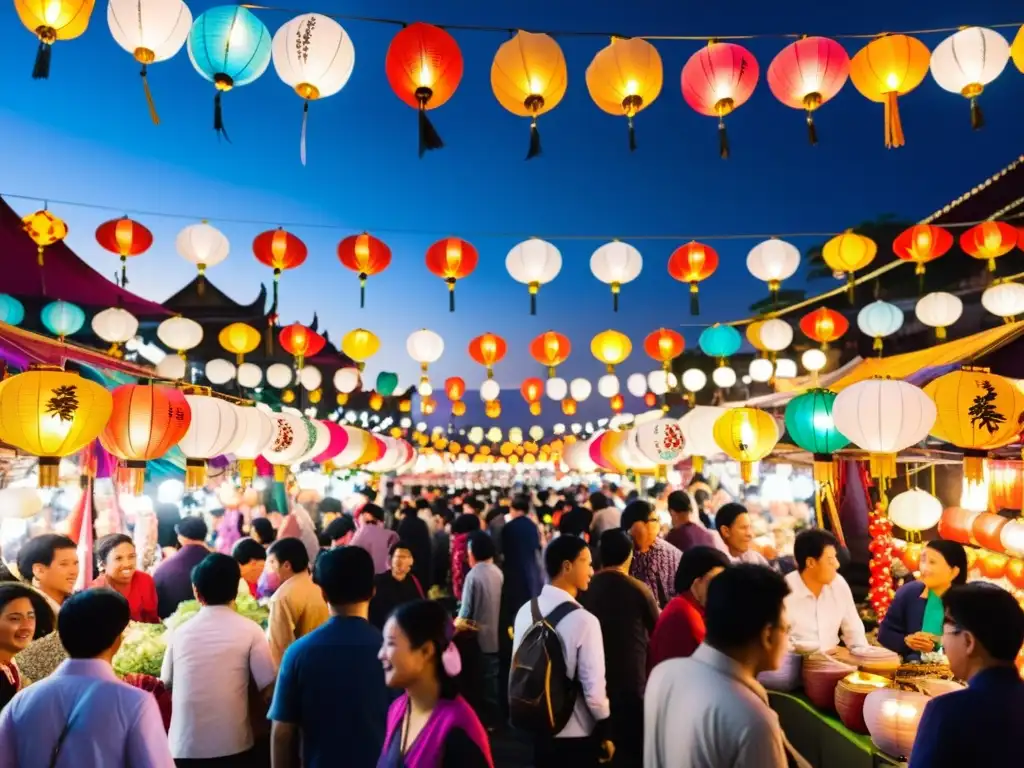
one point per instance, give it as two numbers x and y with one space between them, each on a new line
933 687
142 651
932 666
850 694
821 675
891 717
787 677
876 660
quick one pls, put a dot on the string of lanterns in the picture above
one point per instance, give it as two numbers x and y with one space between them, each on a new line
314 55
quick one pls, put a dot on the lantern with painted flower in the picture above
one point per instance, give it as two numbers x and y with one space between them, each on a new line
807 73
239 338
718 79
115 326
988 241
50 21
746 435
62 318
534 263
124 237
45 229
878 320
885 69
824 325
360 345
921 244
365 255
293 436
967 61
529 77
660 441
615 264
301 342
848 252
624 78
279 250
692 263
773 261
939 310
203 245
452 259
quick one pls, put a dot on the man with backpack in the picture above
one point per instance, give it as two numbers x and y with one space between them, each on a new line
557 682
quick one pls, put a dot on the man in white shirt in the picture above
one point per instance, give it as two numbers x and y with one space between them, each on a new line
708 710
736 531
208 664
820 605
584 739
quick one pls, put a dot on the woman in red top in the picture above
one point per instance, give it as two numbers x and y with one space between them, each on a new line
115 557
680 627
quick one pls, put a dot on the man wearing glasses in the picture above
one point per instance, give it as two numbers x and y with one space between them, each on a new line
655 561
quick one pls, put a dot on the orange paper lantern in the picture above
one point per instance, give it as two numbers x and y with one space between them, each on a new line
955 524
618 403
988 241
454 388
125 237
550 349
487 350
532 389
664 345
459 409
569 406
279 250
993 565
985 530
301 342
885 69
824 326
692 263
922 243
365 255
451 259
492 409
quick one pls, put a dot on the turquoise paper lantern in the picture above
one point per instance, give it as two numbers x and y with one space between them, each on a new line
720 341
809 423
12 311
387 383
230 47
62 318
878 320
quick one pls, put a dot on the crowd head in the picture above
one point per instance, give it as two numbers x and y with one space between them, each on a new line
17 617
943 564
480 548
616 549
345 576
568 563
401 559
418 648
251 558
698 566
191 530
50 562
263 531
115 557
91 623
287 557
817 555
984 626
760 631
735 527
215 580
641 521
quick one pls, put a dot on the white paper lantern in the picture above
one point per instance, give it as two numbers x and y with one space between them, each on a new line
636 385
249 375
556 388
878 320
661 441
785 368
761 370
279 375
724 377
293 436
1005 300
219 371
534 263
773 261
580 389
489 390
814 360
310 377
661 381
915 510
476 435
20 503
211 432
255 431
425 347
536 432
494 435
776 335
425 389
171 368
180 334
967 61
608 385
892 717
115 325
939 310
346 380
203 245
616 264
699 430
694 380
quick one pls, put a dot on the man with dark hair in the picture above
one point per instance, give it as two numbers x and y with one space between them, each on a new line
82 715
251 558
173 577
820 604
654 560
414 531
263 531
338 532
686 532
520 547
585 738
747 633
297 607
374 537
603 514
736 530
481 608
981 725
441 546
330 693
396 587
627 612
49 563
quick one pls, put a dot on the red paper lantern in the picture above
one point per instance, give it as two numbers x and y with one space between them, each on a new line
618 403
993 565
532 389
1006 484
664 345
956 523
717 80
824 326
650 399
808 73
147 421
911 556
487 350
985 530
458 408
922 243
279 250
424 67
125 237
1015 572
692 263
451 259
365 255
454 388
301 342
550 349
989 240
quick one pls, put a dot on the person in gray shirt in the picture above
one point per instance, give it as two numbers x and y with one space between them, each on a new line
481 605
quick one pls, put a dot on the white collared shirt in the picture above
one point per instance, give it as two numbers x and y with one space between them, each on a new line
820 621
583 646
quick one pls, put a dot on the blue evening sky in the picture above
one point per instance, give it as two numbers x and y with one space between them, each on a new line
85 135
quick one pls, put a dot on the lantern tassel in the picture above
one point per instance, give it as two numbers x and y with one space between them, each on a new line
39 255
302 134
977 118
694 299
723 140
429 138
893 125
451 295
149 97
534 140
124 271
41 70
940 333
632 134
615 302
851 288
878 345
362 291
812 130
218 119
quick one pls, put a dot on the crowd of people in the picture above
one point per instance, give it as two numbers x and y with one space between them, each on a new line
409 633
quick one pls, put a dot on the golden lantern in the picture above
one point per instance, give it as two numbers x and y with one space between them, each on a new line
427 405
50 21
624 78
492 409
1017 49
458 408
341 399
746 435
396 432
885 69
288 397
611 348
360 345
51 414
376 401
753 333
405 406
569 406
535 408
848 252
240 339
529 77
45 229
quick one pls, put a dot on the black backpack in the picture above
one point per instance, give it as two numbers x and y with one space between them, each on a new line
540 693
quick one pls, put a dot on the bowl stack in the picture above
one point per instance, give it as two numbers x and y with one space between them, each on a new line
892 717
876 660
787 677
821 675
850 694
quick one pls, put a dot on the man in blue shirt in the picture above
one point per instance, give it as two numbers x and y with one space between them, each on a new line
982 724
330 694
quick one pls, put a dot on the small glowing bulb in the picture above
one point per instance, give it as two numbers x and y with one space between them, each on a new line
631 87
52 12
535 86
426 76
238 35
892 81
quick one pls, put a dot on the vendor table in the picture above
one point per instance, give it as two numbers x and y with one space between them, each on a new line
821 738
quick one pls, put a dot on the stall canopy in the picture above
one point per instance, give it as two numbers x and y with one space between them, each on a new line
21 348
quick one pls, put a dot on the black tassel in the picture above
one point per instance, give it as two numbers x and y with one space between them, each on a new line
723 141
533 304
429 138
534 141
218 119
694 303
615 302
362 291
812 130
977 118
41 70
632 136
451 299
124 271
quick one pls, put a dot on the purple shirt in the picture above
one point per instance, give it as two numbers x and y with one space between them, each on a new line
657 569
690 535
113 724
173 578
377 540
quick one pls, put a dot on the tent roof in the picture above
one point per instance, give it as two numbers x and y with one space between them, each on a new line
23 348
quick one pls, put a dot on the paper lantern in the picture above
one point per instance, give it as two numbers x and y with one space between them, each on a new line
211 432
776 334
694 380
810 425
724 377
636 385
45 229
773 261
967 61
878 320
51 414
346 380
529 77
608 385
625 78
219 371
424 67
661 381
458 408
892 717
1017 49
12 311
293 436
239 338
151 31
753 334
314 55
1005 300
1011 538
200 244
454 388
50 21
124 237
814 360
850 695
115 326
939 310
883 417
279 375
311 378
20 503
988 241
256 430
487 350
492 408
171 368
807 73
664 346
532 389
358 440
366 256
386 384
986 529
717 80
321 439
848 252
956 524
921 244
616 264
915 510
180 334
301 342
660 441
62 318
556 388
1006 484
279 250
824 325
611 348
720 341
580 389
569 406
489 390
785 368
146 421
692 263
230 47
551 349
425 347
451 259
746 435
885 69
534 263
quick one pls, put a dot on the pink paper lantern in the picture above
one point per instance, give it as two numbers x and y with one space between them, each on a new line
717 80
339 439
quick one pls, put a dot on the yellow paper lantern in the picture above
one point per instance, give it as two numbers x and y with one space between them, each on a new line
45 229
1017 49
529 77
625 78
370 453
754 335
492 409
376 401
611 348
848 252
287 397
887 68
240 339
51 414
746 435
360 345
50 21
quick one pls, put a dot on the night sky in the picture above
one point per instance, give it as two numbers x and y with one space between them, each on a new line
85 135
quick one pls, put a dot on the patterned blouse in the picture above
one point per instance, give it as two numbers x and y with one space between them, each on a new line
657 569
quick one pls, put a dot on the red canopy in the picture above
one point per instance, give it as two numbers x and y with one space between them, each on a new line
23 348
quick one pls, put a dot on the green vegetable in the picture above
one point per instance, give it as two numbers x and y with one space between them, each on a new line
142 650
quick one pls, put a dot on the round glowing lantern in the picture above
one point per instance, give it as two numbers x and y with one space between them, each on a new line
887 68
551 349
848 252
810 425
62 318
569 406
625 78
489 390
492 408
230 47
50 21
921 244
454 388
967 61
720 341
611 348
239 338
746 435
580 389
51 414
717 80
256 429
249 375
424 67
761 370
314 55
451 259
358 440
664 346
171 368
12 311
824 325
211 432
301 342
1006 484
616 264
786 368
458 408
365 255
1005 300
660 441
878 320
202 244
986 529
773 261
293 437
529 77
145 423
532 389
807 73
988 241
45 229
279 375
487 350
776 334
636 385
219 371
608 385
939 310
180 334
360 345
956 524
386 384
753 334
692 263
1011 537
993 565
279 250
694 380
892 715
124 237
346 380
724 377
151 31
915 510
814 360
115 326
534 263
1017 49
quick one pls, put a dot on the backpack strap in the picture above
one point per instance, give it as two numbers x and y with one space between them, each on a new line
535 614
560 612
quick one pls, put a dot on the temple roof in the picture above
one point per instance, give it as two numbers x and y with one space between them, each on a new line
201 298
